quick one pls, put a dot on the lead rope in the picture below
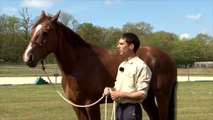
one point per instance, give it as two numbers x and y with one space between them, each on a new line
73 104
113 115
105 113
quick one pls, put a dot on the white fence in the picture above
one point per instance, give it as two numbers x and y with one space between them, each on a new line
204 64
32 80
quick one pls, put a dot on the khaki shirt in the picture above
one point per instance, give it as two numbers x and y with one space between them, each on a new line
133 75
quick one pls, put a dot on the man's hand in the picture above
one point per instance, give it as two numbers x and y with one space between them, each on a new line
115 95
107 91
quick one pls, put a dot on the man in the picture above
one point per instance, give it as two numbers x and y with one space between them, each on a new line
132 81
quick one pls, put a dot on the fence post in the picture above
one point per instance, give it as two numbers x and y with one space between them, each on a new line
56 75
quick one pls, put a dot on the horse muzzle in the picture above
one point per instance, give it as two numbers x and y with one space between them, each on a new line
30 60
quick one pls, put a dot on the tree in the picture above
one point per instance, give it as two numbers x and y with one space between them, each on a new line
183 54
111 36
26 22
11 39
161 39
191 50
90 33
205 44
209 50
12 24
3 26
140 27
69 20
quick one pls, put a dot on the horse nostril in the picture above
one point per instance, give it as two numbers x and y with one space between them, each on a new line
30 58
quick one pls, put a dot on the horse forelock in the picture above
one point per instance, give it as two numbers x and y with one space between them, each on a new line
40 21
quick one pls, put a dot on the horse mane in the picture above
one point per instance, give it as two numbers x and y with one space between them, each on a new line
73 38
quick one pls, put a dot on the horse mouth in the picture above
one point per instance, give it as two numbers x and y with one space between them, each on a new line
32 64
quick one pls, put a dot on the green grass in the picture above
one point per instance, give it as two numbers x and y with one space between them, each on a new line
195 101
23 70
41 102
196 71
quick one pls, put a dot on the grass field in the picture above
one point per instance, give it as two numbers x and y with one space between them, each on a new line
23 70
41 102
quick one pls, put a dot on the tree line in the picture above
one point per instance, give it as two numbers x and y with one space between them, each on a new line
15 33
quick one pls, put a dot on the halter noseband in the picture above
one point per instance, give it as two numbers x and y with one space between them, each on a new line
39 44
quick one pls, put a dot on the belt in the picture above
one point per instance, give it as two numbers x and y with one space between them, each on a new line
128 104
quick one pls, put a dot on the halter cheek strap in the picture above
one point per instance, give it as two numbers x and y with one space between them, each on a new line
42 65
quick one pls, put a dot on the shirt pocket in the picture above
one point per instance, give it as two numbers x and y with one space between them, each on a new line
131 79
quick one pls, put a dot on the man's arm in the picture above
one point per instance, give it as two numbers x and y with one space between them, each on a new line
137 95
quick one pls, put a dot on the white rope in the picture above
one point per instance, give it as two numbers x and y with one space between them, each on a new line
113 115
68 101
73 104
105 108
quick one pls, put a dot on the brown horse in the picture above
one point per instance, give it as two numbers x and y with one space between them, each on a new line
87 69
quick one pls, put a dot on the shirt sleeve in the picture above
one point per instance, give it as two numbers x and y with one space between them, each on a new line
143 78
116 84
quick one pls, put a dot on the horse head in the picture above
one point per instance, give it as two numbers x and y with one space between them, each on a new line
44 40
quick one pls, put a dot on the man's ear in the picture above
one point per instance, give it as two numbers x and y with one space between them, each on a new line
131 46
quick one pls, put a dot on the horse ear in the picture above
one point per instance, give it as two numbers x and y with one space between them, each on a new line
43 14
55 17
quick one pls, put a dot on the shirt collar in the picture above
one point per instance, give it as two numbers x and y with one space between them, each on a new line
131 60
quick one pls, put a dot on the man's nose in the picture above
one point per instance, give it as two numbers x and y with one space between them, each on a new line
118 46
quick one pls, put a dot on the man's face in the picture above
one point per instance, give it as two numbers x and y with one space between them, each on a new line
124 48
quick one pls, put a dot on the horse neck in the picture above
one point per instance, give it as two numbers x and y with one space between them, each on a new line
73 51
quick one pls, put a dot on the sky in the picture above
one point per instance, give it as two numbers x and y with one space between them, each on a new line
185 18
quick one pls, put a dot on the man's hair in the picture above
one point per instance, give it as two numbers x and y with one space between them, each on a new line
131 38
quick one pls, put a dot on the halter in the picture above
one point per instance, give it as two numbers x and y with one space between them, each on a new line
82 106
39 44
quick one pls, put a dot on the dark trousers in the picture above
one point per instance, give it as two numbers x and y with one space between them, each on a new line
128 111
